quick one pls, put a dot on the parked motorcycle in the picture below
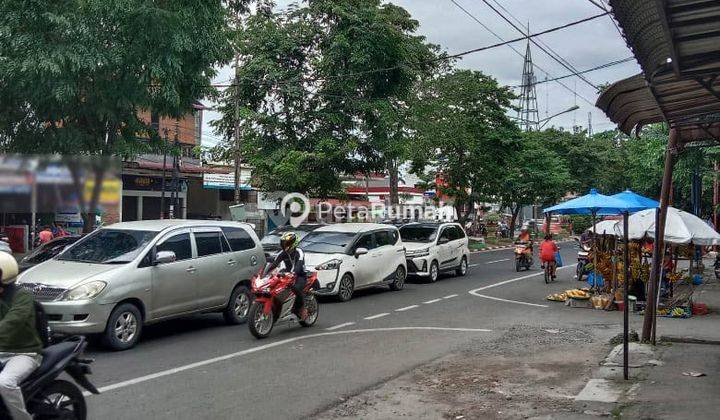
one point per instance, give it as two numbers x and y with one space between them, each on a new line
523 256
275 302
46 396
584 264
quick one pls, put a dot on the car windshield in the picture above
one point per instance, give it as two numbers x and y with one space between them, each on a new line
273 238
109 246
48 250
418 233
326 242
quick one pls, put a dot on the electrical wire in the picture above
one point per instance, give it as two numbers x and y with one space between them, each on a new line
543 49
518 52
545 44
602 66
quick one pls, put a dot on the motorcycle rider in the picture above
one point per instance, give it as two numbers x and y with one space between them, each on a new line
293 260
20 344
548 249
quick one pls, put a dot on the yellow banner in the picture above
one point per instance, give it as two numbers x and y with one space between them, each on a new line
109 193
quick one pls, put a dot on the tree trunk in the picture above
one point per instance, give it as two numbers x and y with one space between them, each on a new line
394 177
515 212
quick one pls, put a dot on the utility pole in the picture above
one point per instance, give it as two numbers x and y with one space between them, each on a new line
237 119
175 175
162 180
589 128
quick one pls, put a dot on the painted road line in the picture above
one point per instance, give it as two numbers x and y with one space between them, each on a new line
407 308
497 261
490 286
510 301
473 265
449 296
376 316
432 301
337 327
179 369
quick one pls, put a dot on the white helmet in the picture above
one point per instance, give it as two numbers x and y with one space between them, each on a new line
8 268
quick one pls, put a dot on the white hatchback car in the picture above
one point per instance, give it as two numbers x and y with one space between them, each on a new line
352 256
433 248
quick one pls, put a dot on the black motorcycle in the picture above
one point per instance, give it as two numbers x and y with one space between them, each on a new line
46 396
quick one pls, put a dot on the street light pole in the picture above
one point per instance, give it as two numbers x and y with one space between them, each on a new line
546 120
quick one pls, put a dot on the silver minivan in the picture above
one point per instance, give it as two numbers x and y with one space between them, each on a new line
126 275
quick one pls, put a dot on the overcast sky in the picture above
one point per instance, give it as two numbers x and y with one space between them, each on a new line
585 46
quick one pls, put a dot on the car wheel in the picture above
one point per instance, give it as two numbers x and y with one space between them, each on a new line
434 272
462 270
239 306
123 327
399 279
346 288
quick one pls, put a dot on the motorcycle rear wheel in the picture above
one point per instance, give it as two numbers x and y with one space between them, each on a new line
260 325
311 304
59 400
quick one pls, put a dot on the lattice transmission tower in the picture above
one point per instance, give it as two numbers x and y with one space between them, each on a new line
528 114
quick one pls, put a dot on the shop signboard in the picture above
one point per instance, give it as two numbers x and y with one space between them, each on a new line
225 181
149 183
109 192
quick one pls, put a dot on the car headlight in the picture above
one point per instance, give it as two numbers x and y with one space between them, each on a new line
86 291
418 252
329 265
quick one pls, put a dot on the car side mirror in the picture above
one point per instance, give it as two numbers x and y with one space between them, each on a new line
443 241
360 251
165 257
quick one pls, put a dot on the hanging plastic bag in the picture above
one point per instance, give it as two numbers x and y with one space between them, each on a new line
558 259
594 281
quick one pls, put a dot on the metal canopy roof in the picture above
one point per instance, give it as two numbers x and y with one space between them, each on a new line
677 43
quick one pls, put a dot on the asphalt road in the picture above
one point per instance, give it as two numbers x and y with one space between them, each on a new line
199 368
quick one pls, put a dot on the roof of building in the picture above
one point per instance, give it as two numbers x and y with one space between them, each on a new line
677 43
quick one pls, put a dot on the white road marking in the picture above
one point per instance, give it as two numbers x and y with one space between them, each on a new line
179 369
407 308
337 327
497 261
474 292
449 296
473 265
433 301
377 316
510 301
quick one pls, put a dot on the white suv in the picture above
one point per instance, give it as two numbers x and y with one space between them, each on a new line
432 248
352 256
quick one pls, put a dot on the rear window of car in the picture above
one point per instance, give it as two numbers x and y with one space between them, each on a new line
238 238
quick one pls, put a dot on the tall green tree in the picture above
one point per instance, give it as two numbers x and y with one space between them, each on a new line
76 73
464 136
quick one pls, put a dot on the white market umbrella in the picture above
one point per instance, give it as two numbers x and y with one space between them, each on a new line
681 227
605 227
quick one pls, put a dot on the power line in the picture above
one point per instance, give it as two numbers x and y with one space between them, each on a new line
601 5
545 44
543 49
518 52
602 66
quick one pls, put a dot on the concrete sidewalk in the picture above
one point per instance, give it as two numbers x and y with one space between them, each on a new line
669 392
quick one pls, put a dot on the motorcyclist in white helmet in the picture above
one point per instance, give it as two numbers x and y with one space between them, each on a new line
20 343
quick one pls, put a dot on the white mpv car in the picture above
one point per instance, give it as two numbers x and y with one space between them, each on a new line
433 248
352 256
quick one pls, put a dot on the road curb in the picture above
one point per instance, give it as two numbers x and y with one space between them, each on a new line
688 340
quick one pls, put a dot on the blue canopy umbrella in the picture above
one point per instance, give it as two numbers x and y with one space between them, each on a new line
595 203
636 200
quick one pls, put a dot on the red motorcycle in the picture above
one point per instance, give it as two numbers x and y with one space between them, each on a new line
275 302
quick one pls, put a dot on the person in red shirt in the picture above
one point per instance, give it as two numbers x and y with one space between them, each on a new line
548 248
45 235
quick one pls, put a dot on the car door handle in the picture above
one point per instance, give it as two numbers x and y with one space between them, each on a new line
231 262
191 269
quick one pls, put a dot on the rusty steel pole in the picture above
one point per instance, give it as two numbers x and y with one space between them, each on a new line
658 254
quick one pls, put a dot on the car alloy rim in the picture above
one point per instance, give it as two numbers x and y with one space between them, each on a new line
242 305
126 327
463 266
345 287
400 277
433 272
